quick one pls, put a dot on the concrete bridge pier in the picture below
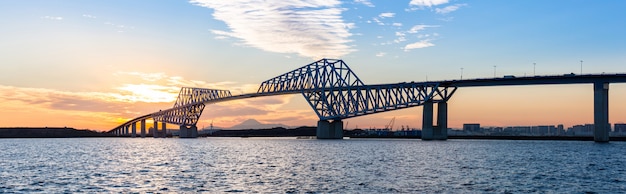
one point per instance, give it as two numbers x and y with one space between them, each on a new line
188 131
329 130
439 131
155 129
164 131
601 112
126 130
134 130
143 128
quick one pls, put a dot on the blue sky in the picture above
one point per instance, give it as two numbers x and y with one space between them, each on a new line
134 55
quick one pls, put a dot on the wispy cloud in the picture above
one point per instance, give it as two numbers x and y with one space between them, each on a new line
378 21
309 28
417 45
449 9
397 24
138 94
427 3
401 36
119 27
365 2
89 16
145 76
418 28
58 18
387 15
381 54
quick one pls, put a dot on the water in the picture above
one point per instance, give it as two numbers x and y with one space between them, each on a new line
251 165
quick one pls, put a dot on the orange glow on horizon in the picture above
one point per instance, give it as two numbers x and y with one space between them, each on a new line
489 106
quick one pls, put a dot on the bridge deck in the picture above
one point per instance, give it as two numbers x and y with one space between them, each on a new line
500 81
538 80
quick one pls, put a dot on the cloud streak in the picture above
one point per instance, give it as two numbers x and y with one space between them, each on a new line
139 93
52 18
365 2
387 15
419 44
427 3
311 28
418 28
449 9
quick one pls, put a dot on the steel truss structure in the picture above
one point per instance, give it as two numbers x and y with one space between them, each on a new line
347 102
189 105
335 92
331 88
325 73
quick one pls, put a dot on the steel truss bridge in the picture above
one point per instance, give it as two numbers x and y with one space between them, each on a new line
335 93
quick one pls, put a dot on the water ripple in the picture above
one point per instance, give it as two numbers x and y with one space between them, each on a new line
251 165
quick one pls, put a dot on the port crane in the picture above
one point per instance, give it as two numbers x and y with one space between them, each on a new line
389 125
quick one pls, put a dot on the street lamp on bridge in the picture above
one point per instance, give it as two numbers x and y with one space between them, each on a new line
494 71
581 66
461 72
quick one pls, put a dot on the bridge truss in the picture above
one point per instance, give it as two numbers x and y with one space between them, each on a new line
331 88
335 92
348 102
189 105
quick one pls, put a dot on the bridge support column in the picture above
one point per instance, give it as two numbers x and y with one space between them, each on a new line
164 131
143 128
601 112
442 121
329 130
155 129
429 131
188 131
126 130
134 130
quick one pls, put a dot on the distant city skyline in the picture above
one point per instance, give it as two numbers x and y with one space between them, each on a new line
96 64
617 129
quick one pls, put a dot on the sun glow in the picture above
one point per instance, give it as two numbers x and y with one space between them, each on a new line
148 93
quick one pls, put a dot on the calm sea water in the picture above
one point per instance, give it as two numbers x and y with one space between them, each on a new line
251 165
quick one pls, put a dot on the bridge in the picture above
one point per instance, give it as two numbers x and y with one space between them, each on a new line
336 93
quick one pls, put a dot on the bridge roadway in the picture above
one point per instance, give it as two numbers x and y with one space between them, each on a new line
345 96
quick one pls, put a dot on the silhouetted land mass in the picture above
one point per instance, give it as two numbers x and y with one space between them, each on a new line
48 132
311 131
273 132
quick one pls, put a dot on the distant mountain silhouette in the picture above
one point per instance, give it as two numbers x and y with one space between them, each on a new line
254 124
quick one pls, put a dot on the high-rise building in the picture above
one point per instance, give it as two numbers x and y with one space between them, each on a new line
581 130
619 128
471 127
559 130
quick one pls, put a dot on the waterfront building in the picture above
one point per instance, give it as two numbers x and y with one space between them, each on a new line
560 131
619 128
472 127
518 130
581 130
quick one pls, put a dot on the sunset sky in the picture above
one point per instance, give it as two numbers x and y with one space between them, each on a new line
95 64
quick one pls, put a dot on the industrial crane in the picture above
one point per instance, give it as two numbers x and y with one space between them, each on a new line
389 126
